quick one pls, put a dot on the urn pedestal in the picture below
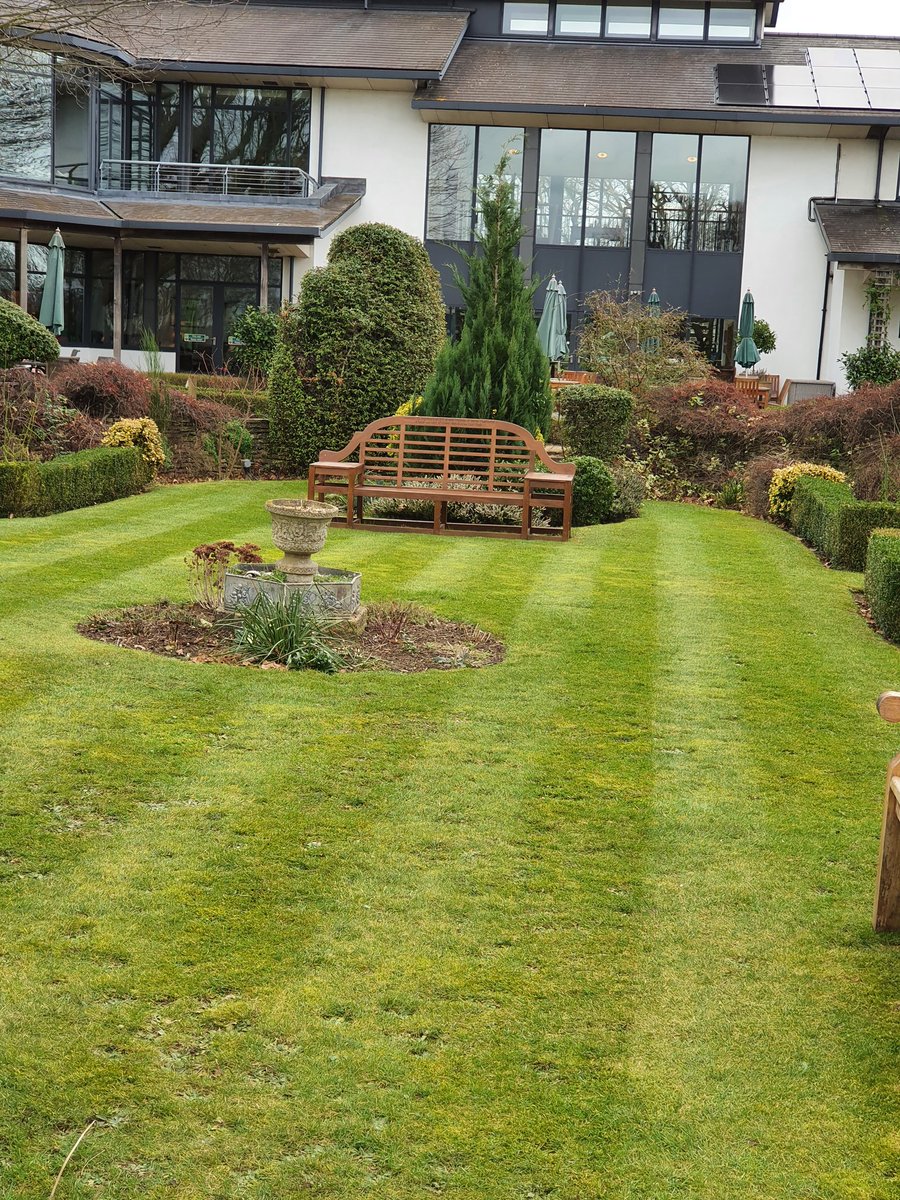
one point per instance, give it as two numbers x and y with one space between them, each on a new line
299 529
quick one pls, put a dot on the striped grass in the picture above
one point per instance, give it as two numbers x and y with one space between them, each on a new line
591 923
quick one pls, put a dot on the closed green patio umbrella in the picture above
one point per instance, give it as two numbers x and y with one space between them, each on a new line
51 313
746 355
552 325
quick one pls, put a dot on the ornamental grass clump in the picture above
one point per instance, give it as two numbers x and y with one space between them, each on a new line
140 432
289 633
207 565
781 489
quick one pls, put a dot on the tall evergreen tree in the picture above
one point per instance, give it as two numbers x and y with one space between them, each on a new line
497 369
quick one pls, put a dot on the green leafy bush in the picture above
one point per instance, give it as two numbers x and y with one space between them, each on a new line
141 432
595 418
35 489
593 492
871 366
361 341
764 336
630 491
255 333
22 337
883 581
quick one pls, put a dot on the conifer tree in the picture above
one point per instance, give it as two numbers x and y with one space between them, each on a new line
497 369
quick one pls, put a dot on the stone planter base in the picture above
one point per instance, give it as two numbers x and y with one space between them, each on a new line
332 593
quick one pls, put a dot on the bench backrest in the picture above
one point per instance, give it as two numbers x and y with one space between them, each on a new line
449 452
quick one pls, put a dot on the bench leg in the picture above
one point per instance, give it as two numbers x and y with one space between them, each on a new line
311 484
567 514
350 498
526 511
440 515
887 889
359 509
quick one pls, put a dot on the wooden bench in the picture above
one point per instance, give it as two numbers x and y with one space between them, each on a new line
887 889
445 459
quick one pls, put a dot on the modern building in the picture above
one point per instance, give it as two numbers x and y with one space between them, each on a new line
198 158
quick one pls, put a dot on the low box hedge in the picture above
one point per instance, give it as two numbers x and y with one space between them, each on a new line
883 580
36 489
827 515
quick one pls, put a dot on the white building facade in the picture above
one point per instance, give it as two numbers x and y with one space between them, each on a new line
685 146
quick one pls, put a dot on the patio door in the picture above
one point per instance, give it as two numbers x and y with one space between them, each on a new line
208 312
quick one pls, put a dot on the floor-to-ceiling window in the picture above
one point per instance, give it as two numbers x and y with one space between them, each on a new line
261 127
585 188
26 114
460 159
698 192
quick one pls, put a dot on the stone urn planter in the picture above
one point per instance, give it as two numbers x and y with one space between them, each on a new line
299 529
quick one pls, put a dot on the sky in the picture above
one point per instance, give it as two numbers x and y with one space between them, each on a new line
840 16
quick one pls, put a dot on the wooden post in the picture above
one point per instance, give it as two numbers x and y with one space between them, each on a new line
887 889
117 298
23 268
264 277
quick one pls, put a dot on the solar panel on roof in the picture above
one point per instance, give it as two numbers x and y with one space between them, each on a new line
878 58
831 56
739 84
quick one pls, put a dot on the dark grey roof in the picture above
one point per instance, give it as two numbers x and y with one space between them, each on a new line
280 39
856 232
175 215
602 78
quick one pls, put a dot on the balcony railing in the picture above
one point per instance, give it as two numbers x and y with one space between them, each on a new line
207 179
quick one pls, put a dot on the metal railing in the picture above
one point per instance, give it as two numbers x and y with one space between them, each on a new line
207 179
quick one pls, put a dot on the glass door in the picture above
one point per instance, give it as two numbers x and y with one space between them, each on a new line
199 349
235 299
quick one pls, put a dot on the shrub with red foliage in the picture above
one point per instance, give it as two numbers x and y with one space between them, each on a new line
36 421
835 428
198 414
109 390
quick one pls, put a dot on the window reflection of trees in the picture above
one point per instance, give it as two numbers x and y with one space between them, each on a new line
461 160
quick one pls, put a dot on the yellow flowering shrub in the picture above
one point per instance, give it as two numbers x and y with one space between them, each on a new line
140 432
409 408
784 480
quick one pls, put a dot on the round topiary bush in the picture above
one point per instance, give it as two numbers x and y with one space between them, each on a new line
362 339
593 492
22 337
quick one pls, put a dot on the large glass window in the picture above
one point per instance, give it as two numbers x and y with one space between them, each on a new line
26 119
585 188
628 20
673 190
578 20
698 192
732 22
259 127
723 190
526 18
461 157
9 284
678 21
610 190
71 133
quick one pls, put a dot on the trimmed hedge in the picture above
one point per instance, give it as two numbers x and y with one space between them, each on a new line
883 580
595 418
827 515
36 489
593 492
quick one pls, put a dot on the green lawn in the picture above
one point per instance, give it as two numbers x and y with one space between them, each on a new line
592 923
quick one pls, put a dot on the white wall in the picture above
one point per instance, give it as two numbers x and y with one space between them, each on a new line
785 255
131 358
377 136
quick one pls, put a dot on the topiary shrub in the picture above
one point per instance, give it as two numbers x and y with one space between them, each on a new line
814 510
784 480
630 491
108 390
142 433
362 339
595 418
883 581
764 336
593 492
22 337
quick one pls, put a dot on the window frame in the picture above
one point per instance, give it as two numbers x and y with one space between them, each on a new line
514 130
653 37
586 180
693 246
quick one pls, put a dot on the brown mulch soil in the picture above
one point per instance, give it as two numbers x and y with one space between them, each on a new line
397 637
